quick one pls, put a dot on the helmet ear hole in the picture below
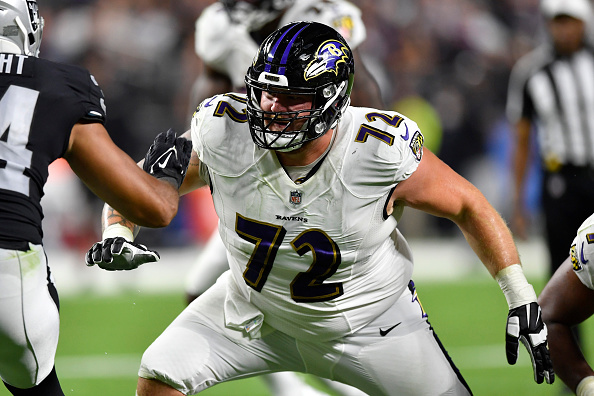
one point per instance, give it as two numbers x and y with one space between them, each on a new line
329 91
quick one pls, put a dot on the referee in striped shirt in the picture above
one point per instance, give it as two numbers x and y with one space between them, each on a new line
551 92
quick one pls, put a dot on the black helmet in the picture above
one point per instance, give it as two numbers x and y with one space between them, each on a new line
301 58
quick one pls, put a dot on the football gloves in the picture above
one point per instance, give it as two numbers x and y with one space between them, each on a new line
116 254
525 324
168 157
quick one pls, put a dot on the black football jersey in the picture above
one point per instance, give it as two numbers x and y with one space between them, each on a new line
40 102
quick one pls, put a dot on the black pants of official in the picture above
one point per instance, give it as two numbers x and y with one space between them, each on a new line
568 200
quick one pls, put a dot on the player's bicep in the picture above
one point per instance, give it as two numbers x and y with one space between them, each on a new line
565 299
435 188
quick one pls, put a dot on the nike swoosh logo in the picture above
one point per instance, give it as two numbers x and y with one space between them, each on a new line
405 136
163 163
384 332
582 255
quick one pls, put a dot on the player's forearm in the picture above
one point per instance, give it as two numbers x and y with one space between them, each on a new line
488 236
568 361
112 219
491 240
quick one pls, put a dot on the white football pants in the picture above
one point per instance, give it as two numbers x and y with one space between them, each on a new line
29 320
197 351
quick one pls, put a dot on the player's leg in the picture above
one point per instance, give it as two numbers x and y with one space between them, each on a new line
288 383
342 389
153 387
399 354
29 323
198 350
210 264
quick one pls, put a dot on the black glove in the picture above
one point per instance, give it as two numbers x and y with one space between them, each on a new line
525 324
168 157
115 254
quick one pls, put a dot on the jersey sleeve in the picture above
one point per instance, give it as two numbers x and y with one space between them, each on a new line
342 15
88 94
196 128
349 24
582 253
385 148
96 111
209 130
399 144
411 149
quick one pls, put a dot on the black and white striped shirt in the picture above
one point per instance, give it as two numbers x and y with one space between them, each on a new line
557 94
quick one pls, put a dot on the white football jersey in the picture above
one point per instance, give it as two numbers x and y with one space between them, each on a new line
229 48
321 258
582 253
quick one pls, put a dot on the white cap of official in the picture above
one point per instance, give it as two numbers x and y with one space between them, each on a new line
578 9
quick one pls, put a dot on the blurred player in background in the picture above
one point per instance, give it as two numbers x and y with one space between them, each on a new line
50 111
568 300
228 34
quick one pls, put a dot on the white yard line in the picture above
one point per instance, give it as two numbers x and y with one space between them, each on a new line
476 357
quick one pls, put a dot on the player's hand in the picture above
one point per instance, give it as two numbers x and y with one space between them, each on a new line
525 324
115 254
168 157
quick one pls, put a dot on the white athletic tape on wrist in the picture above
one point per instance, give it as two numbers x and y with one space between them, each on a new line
585 387
118 230
515 287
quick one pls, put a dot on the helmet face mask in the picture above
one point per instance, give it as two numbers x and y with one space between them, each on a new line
21 26
302 58
282 130
255 13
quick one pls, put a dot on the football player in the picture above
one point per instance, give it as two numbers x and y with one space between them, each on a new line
50 111
228 34
309 192
567 300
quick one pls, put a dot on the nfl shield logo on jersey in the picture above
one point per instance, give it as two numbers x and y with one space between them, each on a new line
295 197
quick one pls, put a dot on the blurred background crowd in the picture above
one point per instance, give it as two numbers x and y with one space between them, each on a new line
443 63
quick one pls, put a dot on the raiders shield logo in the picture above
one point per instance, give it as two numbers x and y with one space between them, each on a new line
295 197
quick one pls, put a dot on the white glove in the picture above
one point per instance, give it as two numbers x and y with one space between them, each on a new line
525 324
115 254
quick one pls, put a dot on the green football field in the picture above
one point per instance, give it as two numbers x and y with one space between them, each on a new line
102 340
